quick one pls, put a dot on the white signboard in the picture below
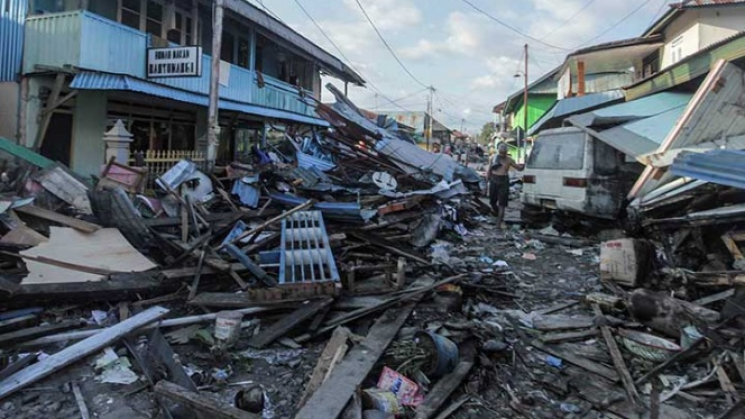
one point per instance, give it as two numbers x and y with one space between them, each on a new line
174 62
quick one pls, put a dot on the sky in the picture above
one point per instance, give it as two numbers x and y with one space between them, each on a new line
469 59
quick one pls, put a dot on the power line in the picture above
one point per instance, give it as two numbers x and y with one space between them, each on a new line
349 62
654 17
512 28
617 24
588 4
369 20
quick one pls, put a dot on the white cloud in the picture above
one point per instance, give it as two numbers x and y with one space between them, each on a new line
389 14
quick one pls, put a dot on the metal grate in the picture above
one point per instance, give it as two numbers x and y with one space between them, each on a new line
305 253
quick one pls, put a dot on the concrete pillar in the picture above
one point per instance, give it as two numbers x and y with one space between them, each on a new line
118 141
89 122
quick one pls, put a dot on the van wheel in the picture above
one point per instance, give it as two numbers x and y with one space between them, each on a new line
535 217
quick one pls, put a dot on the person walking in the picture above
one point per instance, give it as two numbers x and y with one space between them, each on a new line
499 181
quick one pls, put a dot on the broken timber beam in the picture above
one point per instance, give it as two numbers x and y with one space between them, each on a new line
620 364
288 322
331 398
307 204
200 403
337 343
45 214
573 359
446 385
78 351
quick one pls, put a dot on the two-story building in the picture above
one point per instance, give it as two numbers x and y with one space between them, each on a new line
70 68
599 75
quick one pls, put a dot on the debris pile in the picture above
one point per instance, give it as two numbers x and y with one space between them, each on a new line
345 273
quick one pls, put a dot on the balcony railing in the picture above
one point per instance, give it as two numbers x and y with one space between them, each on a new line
84 40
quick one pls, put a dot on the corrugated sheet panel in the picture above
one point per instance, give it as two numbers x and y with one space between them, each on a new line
636 109
110 47
12 18
52 40
724 167
573 105
103 81
642 136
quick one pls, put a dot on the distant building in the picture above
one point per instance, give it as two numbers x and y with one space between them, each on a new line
420 121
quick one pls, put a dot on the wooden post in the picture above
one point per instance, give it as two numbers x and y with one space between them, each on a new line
47 113
580 78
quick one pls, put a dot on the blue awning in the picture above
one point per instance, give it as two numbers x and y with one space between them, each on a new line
87 80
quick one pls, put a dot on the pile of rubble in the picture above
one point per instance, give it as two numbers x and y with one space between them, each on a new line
348 273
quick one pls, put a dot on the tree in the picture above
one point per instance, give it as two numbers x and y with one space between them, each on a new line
487 131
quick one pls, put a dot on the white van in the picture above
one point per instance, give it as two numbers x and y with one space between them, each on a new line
570 171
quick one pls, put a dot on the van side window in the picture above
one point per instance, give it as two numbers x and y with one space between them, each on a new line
562 151
606 159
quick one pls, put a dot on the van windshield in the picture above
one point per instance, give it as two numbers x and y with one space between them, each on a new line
558 151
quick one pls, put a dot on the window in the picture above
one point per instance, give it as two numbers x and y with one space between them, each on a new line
226 51
151 16
606 158
130 13
154 18
558 151
244 53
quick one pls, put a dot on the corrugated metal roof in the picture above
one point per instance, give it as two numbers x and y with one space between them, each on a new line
635 109
713 113
573 105
642 136
12 18
104 81
724 167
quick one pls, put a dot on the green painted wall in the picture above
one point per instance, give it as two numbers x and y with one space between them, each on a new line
538 105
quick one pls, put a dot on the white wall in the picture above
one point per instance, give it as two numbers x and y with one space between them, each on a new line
720 24
89 126
9 110
681 39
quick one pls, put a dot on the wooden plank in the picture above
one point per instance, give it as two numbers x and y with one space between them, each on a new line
46 119
569 336
323 366
23 236
446 385
119 286
8 339
201 403
356 314
17 323
556 308
557 322
80 400
620 364
710 299
388 245
353 409
332 397
45 214
289 322
18 365
78 351
586 364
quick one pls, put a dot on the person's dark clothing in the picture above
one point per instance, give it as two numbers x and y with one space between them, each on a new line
499 191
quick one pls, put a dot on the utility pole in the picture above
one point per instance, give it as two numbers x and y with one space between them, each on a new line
213 123
522 143
428 120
